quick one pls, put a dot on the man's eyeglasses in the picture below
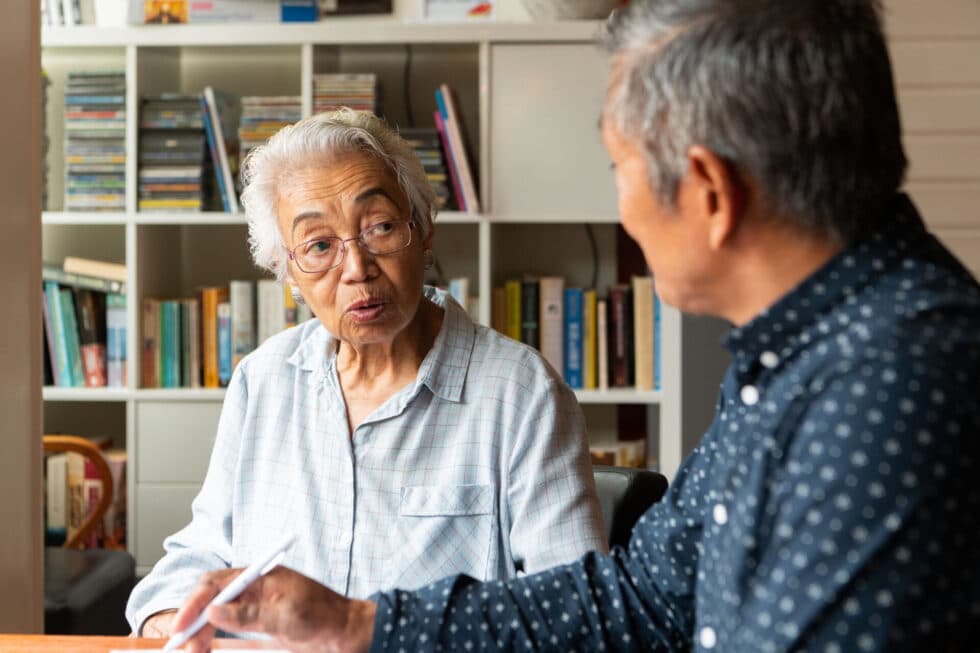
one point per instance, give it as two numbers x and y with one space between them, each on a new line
327 252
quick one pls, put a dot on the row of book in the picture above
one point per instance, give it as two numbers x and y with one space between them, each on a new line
72 490
84 326
593 343
95 148
194 342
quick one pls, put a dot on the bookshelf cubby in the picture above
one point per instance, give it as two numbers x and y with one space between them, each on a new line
530 94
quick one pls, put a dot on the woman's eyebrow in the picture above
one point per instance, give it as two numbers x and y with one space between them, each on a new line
373 192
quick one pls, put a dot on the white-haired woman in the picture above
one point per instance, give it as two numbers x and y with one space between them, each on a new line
397 439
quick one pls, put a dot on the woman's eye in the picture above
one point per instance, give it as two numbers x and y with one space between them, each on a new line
319 247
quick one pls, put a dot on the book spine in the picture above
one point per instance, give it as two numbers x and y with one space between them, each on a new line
50 338
224 343
185 343
51 272
552 321
643 332
56 496
62 363
589 340
513 291
193 308
450 162
221 145
241 294
114 522
210 298
454 127
498 309
657 351
89 310
71 338
620 332
98 269
149 369
116 340
530 313
573 337
602 344
215 160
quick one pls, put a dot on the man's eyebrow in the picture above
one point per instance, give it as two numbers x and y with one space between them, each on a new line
372 192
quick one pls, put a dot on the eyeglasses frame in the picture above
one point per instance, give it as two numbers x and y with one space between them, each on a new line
343 245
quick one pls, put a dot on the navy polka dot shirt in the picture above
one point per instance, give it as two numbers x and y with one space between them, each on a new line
833 505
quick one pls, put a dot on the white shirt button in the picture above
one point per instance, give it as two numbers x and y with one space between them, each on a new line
708 637
750 395
769 359
720 514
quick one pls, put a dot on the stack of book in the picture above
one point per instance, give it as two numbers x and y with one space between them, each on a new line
172 154
428 148
593 343
84 304
263 116
193 342
358 91
95 150
449 122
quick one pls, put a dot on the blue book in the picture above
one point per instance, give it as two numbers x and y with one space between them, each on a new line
573 337
115 322
224 343
298 11
215 159
170 345
72 344
52 297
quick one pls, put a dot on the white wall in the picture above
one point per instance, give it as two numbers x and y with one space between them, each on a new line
21 598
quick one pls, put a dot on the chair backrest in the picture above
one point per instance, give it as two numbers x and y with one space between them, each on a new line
56 443
625 493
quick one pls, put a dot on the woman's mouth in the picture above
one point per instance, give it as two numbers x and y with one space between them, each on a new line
366 310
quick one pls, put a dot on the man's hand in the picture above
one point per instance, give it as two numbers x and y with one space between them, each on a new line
160 625
304 616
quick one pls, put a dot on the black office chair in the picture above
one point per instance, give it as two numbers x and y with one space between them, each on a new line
85 591
625 493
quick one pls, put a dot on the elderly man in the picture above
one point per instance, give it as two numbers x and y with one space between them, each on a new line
832 505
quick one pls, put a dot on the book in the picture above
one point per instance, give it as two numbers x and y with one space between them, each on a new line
233 11
498 309
93 268
452 117
589 371
224 345
241 297
56 497
70 333
512 290
115 319
573 328
170 345
643 350
51 338
602 345
53 272
620 320
530 312
214 101
211 296
192 343
90 312
450 163
150 372
552 321
457 10
114 520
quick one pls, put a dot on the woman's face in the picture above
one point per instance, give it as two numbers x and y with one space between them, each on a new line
367 299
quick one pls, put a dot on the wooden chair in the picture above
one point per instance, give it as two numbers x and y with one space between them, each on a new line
85 590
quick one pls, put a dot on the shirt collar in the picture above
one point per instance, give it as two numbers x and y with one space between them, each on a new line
443 369
784 327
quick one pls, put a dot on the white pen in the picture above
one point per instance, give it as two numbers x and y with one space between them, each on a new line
232 590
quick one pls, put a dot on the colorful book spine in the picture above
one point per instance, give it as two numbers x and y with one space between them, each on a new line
552 321
90 315
512 290
657 352
224 343
211 297
450 163
602 345
242 298
573 337
530 312
150 344
116 340
51 337
71 338
620 336
451 116
589 372
643 350
215 160
169 344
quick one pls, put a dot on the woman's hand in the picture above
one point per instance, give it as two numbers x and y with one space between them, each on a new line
159 625
303 615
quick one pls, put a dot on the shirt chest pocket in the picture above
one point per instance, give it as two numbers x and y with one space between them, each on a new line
443 530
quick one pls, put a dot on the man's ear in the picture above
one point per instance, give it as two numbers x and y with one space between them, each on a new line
717 193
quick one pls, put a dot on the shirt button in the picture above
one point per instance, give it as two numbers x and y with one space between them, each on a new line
720 514
749 394
708 637
769 359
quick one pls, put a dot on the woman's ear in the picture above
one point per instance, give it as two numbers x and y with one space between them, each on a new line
718 194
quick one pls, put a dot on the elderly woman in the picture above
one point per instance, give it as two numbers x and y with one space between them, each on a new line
397 439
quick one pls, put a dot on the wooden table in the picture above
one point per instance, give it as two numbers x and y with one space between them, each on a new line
86 644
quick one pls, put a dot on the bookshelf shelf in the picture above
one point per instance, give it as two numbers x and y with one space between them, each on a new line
524 88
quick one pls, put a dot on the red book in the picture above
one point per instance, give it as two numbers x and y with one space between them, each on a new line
450 162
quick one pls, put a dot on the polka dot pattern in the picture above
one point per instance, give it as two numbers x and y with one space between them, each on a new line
834 506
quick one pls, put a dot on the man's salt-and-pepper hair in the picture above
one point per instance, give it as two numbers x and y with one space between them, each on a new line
315 141
797 95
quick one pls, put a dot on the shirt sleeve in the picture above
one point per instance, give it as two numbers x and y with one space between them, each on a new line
550 491
863 532
204 544
630 600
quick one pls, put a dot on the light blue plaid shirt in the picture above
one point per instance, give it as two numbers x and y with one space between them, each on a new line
480 467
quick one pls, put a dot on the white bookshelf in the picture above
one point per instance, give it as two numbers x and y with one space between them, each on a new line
531 95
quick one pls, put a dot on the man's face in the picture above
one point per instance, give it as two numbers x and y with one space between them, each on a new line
674 242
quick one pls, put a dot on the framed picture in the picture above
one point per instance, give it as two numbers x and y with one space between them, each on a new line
457 10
